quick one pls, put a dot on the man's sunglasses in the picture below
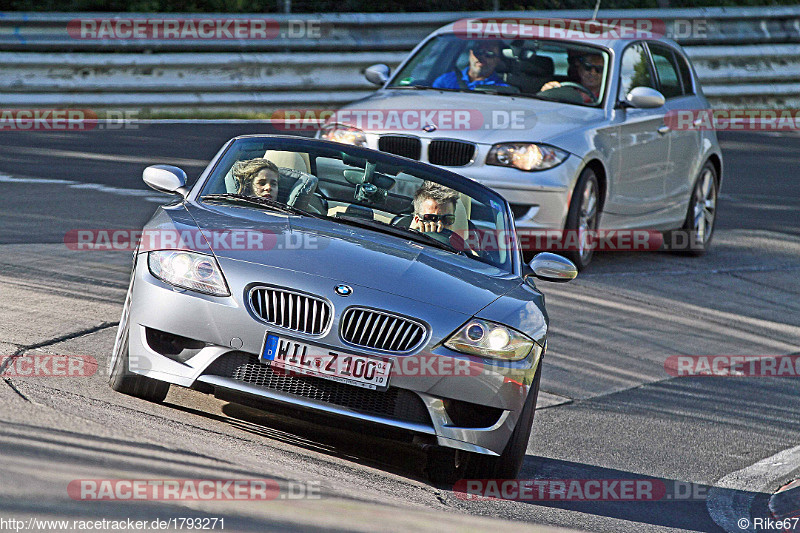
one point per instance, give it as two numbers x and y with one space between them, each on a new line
590 66
486 54
447 220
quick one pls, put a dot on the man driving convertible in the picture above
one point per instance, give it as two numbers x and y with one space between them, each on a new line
434 208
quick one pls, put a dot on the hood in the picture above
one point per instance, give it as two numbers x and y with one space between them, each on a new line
357 257
484 118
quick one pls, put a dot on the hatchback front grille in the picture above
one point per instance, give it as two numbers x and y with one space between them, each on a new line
381 331
450 153
409 147
291 310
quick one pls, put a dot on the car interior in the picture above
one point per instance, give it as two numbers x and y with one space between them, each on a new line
526 65
358 189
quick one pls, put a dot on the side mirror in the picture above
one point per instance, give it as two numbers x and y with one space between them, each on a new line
552 267
645 98
165 178
377 74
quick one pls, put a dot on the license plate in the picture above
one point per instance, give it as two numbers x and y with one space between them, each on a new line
313 360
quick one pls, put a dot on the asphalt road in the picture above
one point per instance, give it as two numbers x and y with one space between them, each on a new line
608 411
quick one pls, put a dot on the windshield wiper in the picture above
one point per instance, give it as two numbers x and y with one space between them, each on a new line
415 87
400 232
257 201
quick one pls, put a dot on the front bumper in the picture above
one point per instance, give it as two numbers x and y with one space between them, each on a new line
546 193
224 326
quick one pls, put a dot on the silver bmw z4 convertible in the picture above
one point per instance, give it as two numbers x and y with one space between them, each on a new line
346 284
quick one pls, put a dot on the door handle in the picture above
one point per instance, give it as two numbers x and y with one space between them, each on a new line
663 129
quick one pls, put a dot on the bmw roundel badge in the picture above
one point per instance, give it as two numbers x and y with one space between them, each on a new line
343 290
429 128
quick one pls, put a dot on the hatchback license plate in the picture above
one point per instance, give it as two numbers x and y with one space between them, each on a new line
318 361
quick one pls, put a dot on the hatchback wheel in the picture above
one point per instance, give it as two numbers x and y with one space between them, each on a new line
584 212
698 228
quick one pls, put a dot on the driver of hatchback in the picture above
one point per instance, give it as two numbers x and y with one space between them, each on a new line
589 71
434 208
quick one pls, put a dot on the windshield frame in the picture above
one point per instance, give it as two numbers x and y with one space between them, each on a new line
445 177
605 51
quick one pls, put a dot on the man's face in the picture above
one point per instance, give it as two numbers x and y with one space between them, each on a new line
432 207
482 61
265 184
590 70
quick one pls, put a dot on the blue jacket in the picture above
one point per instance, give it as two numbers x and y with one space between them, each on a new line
449 80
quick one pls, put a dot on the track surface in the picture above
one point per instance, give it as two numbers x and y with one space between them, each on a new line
609 409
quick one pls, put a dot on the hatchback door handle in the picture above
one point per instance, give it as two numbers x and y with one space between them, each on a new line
663 129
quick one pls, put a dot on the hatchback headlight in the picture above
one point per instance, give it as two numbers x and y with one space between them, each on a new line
189 270
525 156
341 133
488 339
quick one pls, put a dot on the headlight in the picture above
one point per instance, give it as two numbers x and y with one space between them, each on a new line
197 272
487 339
525 156
343 134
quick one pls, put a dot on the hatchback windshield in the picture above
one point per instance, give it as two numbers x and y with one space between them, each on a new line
562 71
358 187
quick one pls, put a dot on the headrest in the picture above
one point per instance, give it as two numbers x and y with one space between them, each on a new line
358 211
539 66
292 160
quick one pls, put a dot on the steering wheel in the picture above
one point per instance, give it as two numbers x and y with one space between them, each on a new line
573 85
451 239
441 236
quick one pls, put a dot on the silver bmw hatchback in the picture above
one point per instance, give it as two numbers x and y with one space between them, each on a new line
580 134
355 286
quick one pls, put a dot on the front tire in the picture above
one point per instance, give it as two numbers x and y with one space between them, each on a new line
446 466
702 213
509 463
582 218
121 379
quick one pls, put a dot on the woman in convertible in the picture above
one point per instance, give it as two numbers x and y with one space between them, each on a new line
257 177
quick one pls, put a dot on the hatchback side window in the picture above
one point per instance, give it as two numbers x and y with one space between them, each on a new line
668 77
635 71
686 74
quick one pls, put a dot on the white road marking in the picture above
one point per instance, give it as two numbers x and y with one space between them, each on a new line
144 194
116 158
731 497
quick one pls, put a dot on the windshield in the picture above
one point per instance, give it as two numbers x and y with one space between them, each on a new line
562 71
358 187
